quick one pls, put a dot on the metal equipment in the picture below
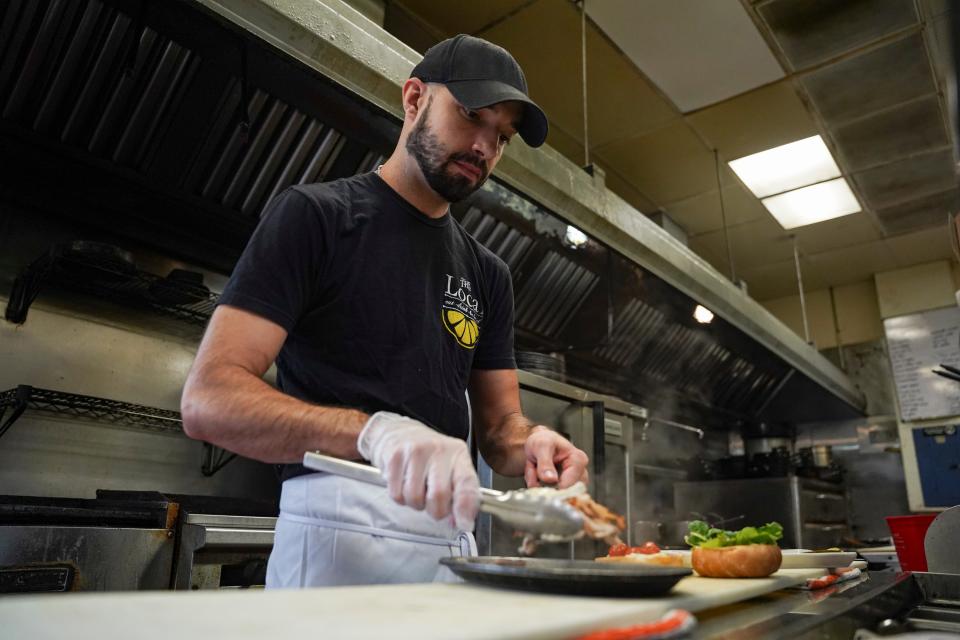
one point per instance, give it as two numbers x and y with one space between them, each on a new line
813 513
60 544
221 551
602 426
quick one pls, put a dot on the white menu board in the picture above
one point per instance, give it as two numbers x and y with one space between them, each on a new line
918 343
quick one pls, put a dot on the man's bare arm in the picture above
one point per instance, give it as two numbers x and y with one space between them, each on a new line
513 445
500 427
227 403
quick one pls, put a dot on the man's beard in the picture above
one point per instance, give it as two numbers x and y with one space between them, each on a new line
432 158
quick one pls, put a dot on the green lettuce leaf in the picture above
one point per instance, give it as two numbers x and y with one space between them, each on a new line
703 535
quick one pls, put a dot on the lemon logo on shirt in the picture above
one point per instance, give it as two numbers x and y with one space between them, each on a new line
460 312
463 328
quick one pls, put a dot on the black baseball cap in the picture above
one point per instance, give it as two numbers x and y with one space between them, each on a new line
478 74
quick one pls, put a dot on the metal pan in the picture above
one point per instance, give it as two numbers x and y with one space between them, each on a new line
573 577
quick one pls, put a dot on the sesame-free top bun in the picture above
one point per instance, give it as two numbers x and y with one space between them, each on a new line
738 561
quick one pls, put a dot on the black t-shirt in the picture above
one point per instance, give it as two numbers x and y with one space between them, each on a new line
385 308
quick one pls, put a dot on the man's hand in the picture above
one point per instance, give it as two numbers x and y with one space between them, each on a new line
424 469
545 450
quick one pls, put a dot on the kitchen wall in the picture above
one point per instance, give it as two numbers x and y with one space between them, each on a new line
857 315
915 289
82 345
65 456
850 332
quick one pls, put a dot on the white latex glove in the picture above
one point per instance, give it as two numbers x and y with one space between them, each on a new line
424 469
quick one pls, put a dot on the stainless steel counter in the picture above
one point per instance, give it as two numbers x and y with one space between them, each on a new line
881 603
791 613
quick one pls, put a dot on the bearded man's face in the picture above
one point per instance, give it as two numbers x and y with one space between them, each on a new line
453 175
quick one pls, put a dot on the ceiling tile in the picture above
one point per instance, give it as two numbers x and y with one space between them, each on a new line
620 100
880 78
856 228
413 30
570 146
697 57
756 121
908 179
921 246
753 244
627 191
929 211
893 134
701 213
850 264
708 252
778 279
460 17
669 164
813 32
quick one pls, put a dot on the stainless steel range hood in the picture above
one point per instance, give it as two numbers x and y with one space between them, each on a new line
332 38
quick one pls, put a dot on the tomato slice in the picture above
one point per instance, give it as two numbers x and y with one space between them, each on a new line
619 550
647 549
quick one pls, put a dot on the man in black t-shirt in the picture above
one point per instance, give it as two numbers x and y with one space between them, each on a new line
380 312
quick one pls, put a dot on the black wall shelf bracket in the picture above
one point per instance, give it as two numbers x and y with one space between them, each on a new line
14 402
214 459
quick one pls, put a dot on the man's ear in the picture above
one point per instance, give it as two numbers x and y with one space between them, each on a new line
414 92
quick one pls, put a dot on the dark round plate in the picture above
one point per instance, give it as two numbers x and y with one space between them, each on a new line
574 577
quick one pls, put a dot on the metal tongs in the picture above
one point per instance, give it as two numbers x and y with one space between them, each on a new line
525 511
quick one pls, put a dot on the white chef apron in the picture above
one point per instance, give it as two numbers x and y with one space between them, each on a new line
336 531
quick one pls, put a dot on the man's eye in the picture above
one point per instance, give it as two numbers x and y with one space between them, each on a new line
470 114
504 140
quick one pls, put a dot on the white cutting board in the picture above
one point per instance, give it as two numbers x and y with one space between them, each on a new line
399 612
803 559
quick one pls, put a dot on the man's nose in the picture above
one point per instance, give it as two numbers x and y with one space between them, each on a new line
485 144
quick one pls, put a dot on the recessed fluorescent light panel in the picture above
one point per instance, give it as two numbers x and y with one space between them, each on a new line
815 203
786 167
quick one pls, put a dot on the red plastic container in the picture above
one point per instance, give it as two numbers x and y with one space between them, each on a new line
908 535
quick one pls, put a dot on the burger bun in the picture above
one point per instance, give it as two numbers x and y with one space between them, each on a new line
738 561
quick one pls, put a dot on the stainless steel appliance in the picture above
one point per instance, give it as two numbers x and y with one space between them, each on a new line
220 551
69 544
602 426
813 512
766 437
133 540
